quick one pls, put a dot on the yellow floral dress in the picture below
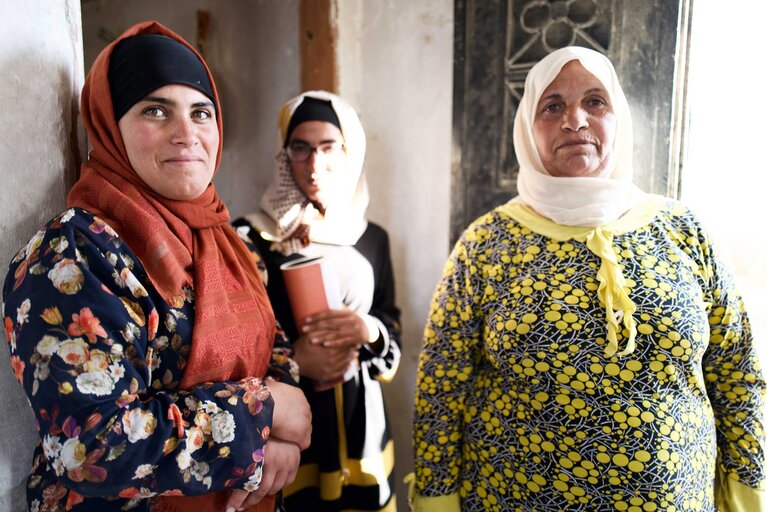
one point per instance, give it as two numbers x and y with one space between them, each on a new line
523 403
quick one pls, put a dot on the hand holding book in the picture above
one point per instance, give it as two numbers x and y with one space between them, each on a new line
329 333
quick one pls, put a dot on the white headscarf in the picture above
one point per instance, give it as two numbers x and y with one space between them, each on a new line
286 212
577 201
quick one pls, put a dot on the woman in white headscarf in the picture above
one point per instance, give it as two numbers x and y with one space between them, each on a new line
585 349
315 206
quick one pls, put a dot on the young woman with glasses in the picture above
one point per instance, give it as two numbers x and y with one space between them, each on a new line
315 206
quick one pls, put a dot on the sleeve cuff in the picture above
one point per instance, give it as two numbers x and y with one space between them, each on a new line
734 496
378 332
446 503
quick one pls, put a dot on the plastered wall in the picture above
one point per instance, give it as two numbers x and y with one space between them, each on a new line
40 79
395 66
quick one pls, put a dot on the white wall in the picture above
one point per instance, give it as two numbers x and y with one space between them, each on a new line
396 68
252 51
40 81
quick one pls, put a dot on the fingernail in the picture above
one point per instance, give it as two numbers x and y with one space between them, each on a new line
230 509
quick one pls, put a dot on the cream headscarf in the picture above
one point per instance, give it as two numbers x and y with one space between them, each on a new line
589 210
587 202
286 212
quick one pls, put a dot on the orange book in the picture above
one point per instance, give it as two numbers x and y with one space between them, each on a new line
312 287
307 281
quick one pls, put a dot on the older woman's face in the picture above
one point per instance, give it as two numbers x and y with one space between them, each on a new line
574 125
320 176
172 138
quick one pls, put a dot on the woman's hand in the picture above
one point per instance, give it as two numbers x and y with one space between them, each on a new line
292 418
281 459
337 328
322 363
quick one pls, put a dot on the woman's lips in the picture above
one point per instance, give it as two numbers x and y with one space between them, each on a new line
574 142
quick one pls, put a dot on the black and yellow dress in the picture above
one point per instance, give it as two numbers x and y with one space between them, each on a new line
349 464
528 401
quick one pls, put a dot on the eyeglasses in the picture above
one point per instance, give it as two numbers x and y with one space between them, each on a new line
300 151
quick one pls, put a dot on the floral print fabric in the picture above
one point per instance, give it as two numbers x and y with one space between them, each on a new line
518 408
100 356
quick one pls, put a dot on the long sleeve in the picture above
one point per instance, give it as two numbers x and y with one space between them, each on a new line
383 364
446 373
100 355
736 389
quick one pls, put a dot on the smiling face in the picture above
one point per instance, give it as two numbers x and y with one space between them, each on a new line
172 139
575 125
319 177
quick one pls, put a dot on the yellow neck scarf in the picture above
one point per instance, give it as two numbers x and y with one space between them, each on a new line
612 292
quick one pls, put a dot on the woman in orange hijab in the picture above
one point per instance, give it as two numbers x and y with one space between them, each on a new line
137 320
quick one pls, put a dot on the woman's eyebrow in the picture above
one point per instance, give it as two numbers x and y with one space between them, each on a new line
167 101
157 99
323 141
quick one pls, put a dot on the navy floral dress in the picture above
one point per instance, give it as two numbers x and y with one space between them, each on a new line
100 355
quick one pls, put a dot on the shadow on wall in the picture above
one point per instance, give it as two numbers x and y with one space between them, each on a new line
37 162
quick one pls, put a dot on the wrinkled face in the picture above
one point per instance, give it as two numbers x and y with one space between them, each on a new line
172 138
574 126
320 176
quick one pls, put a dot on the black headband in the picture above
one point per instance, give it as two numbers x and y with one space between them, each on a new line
312 109
141 64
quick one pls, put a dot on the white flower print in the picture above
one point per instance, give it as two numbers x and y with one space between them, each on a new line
188 293
81 259
22 312
119 281
138 424
95 383
170 322
34 243
98 361
42 370
191 403
144 470
58 466
117 351
67 216
184 459
130 332
136 288
127 260
67 277
74 352
112 259
117 371
210 407
72 453
47 346
195 437
223 427
35 506
59 244
199 470
51 446
254 480
154 362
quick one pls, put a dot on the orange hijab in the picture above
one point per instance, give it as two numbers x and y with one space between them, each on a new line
181 244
